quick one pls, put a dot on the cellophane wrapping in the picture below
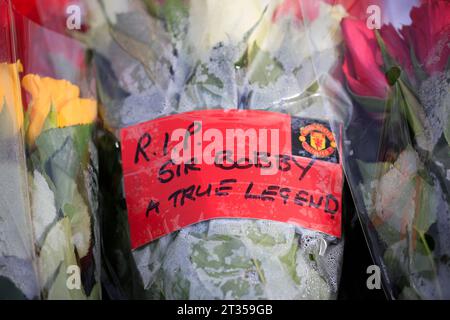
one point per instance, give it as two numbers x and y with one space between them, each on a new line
154 59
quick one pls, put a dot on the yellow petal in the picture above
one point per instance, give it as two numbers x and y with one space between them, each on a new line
10 90
77 111
2 98
61 91
39 107
58 91
32 84
44 92
38 113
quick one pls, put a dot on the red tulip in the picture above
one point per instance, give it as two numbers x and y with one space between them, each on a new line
429 34
46 52
397 48
363 63
36 22
4 22
40 49
363 60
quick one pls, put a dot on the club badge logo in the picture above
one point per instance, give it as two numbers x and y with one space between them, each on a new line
317 140
313 138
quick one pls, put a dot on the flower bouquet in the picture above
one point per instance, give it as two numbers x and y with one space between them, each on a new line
60 190
164 64
397 146
18 275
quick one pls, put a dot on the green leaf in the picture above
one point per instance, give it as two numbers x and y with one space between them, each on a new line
221 250
80 221
52 119
263 69
420 250
243 62
313 88
392 67
6 123
225 262
51 141
369 170
181 286
389 62
57 250
236 287
409 293
153 7
427 203
61 152
26 121
290 261
96 293
396 259
205 85
174 11
393 74
171 11
396 134
59 289
211 79
63 177
413 110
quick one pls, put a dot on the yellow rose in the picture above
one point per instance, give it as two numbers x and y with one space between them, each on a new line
10 90
77 111
63 96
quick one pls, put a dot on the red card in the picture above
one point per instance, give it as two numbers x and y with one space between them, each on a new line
191 167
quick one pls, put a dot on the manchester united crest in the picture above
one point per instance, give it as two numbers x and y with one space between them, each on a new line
317 140
314 139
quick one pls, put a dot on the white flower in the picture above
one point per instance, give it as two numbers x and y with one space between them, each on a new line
323 32
212 22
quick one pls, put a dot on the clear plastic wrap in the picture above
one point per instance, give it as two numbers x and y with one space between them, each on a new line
18 273
393 91
155 59
60 183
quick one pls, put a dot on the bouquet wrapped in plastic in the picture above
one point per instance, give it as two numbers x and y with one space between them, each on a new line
61 184
18 275
396 143
192 230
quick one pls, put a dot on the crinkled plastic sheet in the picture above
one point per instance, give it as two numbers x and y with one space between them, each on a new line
395 102
153 60
49 172
18 276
